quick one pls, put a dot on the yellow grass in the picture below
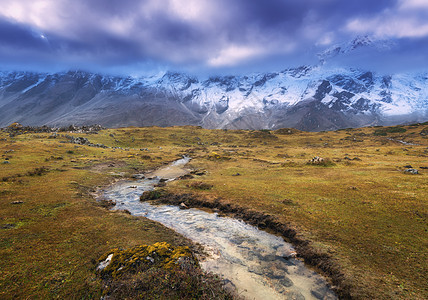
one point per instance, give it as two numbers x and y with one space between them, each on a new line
366 213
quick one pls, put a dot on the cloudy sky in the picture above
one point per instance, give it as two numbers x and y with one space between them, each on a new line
202 35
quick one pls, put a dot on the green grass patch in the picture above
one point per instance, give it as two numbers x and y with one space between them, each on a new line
385 131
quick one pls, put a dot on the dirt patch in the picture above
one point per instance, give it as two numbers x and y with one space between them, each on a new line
322 262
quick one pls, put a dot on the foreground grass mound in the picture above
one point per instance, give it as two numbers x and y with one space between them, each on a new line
142 258
147 272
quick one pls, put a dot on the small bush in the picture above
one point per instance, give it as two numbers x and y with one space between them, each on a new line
379 133
289 202
286 131
214 155
199 185
385 131
152 195
38 171
107 203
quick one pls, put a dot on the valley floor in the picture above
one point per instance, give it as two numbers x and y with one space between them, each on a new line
357 204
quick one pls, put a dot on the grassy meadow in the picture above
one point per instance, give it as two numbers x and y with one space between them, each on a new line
357 205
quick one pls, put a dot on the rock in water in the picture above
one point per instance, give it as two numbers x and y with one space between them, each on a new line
183 206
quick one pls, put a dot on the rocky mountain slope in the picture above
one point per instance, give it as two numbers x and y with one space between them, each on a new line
307 98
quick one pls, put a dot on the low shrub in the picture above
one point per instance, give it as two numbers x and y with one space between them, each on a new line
199 185
214 155
152 195
286 131
38 171
385 131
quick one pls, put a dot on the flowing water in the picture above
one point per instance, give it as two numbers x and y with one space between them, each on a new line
258 264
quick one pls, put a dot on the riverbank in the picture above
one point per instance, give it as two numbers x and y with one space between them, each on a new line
258 264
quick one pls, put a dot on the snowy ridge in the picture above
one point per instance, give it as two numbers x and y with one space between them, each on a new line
360 43
350 89
310 98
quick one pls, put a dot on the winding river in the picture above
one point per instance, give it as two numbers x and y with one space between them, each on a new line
258 264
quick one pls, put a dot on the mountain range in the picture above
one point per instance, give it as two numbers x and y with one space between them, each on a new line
312 98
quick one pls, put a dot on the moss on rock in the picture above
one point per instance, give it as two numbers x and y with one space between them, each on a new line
142 258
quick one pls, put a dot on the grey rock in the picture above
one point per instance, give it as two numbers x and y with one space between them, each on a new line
138 176
316 160
256 270
295 296
183 206
277 274
323 293
411 171
285 282
105 263
8 226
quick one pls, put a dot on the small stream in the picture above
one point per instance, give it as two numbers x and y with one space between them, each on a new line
258 264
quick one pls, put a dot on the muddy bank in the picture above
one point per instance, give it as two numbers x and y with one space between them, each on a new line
320 261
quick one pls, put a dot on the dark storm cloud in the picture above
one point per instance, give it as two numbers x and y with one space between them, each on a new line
204 33
15 35
277 15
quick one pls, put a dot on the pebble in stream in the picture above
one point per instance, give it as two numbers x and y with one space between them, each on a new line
252 260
